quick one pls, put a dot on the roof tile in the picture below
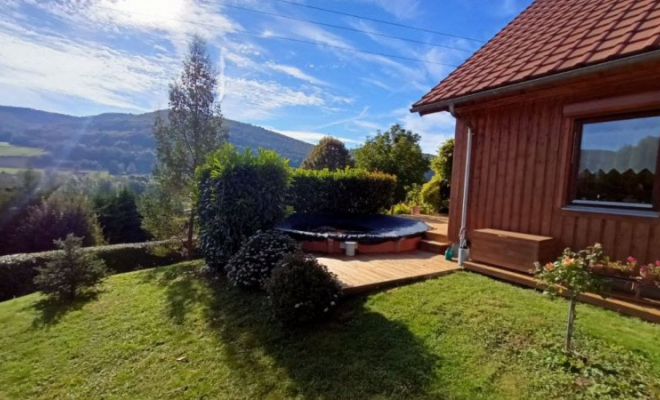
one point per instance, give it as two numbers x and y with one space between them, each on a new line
553 36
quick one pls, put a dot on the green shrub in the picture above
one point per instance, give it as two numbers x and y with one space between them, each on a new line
302 290
251 267
348 190
401 208
239 193
71 271
435 193
17 271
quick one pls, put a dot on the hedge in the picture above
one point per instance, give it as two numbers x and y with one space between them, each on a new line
349 191
239 193
17 271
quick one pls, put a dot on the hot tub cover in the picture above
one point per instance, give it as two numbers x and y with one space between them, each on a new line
361 228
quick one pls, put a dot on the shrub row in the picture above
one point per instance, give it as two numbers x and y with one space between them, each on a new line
348 190
17 271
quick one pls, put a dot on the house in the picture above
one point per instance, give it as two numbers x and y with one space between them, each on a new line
558 128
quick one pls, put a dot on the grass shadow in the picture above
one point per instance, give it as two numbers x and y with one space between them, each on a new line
50 310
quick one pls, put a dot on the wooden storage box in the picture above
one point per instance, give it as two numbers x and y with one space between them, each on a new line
511 250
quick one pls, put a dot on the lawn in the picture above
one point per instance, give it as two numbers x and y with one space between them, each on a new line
167 333
7 149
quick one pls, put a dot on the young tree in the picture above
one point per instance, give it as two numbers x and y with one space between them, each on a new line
572 274
71 271
395 152
329 153
119 217
193 128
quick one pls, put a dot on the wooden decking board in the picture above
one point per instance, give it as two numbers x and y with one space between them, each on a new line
372 271
641 311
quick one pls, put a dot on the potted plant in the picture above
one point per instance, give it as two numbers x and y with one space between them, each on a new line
650 272
623 269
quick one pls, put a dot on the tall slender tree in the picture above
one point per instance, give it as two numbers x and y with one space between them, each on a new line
194 128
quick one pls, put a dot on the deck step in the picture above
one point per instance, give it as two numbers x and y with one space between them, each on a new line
433 247
435 236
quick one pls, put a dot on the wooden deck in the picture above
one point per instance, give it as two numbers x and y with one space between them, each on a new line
374 271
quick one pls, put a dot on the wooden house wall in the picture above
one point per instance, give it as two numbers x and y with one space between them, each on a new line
520 169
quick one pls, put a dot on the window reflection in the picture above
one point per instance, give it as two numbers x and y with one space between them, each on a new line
617 162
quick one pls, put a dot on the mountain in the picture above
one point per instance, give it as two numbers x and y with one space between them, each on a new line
119 143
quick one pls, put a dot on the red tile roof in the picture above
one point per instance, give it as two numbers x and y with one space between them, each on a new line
553 36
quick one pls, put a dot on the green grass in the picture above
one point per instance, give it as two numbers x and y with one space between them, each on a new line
167 333
7 149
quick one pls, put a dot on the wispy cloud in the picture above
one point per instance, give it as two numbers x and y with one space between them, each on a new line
82 69
296 73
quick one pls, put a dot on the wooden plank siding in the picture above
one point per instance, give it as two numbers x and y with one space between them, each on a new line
521 165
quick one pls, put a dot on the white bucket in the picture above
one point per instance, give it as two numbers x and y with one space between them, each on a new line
350 248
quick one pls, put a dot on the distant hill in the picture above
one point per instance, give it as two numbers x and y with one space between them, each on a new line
118 143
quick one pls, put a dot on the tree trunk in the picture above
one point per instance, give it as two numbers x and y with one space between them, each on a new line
569 327
191 230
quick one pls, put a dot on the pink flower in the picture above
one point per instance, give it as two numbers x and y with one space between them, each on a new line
644 268
631 260
657 263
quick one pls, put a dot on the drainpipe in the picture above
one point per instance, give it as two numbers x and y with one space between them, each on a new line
462 234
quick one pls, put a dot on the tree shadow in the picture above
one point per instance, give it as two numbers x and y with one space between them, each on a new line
50 310
183 288
358 354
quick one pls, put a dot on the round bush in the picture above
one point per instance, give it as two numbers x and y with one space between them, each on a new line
302 290
251 266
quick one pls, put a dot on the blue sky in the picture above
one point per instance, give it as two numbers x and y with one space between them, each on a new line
85 57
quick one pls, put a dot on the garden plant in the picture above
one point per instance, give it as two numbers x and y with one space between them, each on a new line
571 275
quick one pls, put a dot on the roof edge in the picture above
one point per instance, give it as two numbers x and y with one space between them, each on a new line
444 105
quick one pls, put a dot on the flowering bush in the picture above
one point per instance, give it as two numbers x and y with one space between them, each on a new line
251 266
302 290
575 273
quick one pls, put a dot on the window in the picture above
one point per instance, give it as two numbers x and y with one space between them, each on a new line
616 162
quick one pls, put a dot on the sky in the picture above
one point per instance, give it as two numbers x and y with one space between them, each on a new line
305 80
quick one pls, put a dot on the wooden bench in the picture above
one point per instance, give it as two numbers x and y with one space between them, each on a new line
511 250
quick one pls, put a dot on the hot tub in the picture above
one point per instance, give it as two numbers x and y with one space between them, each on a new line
328 233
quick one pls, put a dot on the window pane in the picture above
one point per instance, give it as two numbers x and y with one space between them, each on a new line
618 162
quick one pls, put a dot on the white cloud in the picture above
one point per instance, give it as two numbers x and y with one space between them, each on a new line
311 137
296 73
434 128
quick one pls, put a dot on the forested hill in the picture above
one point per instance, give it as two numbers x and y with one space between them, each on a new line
118 143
